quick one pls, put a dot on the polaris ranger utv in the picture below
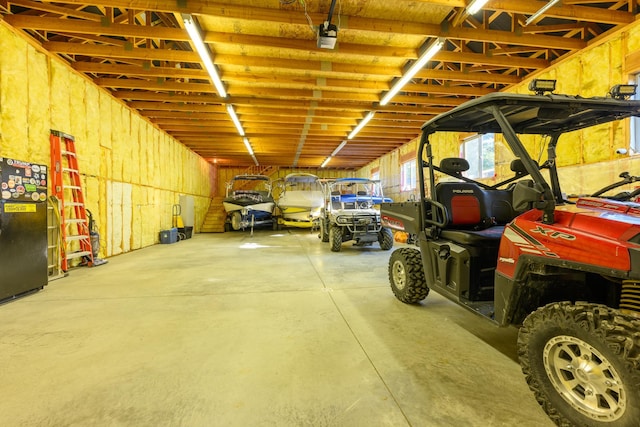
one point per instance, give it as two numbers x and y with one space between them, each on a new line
519 253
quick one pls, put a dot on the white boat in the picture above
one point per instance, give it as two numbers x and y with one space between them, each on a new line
248 201
300 200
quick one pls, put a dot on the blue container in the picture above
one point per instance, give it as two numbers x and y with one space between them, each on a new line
169 236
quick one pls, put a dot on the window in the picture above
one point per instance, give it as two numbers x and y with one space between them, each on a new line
635 124
408 175
479 151
375 175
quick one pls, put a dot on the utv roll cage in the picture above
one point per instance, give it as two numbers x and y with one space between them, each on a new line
513 114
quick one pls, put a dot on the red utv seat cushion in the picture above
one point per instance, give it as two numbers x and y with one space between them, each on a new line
465 210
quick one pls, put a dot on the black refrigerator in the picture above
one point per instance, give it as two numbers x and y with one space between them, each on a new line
23 228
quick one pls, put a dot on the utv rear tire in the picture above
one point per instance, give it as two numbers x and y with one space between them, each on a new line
324 230
582 363
407 276
335 237
385 238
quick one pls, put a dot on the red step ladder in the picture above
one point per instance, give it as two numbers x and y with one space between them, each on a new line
67 187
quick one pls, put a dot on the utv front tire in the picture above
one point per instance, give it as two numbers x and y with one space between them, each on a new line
385 238
324 230
582 363
407 276
335 237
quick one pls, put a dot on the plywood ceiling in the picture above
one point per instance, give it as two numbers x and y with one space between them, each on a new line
298 102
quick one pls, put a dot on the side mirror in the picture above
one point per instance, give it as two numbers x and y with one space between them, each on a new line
525 194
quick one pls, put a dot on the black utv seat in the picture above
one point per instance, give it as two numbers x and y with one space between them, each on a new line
487 237
468 218
500 202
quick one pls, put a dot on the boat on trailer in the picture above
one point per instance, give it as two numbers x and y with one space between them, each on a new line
248 201
300 200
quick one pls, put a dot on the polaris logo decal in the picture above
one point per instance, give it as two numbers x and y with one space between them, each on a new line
507 260
392 223
462 191
553 233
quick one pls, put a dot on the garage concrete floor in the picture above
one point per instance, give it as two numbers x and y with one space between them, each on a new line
266 330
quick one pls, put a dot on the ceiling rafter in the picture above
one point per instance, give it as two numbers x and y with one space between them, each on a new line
231 11
283 88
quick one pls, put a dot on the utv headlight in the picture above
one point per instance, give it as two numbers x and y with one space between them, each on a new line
342 220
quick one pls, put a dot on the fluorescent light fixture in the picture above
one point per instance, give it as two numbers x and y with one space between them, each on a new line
475 6
235 119
340 147
413 70
542 10
362 124
246 144
250 150
326 161
205 54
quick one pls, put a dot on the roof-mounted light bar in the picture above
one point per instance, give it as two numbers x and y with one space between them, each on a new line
623 91
540 86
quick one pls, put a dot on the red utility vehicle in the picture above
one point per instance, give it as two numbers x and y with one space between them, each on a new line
567 272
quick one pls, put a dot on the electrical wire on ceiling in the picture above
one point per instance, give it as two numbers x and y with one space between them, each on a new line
306 14
304 4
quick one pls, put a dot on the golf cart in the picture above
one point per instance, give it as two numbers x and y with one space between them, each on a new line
352 212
